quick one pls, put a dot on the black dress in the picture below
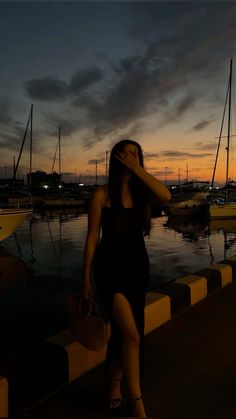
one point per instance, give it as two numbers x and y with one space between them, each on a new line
121 265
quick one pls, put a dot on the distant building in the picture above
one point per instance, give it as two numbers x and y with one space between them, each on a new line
43 180
10 183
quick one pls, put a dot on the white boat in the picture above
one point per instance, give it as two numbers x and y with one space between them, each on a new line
226 209
10 219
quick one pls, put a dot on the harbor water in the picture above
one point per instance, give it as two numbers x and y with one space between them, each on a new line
41 264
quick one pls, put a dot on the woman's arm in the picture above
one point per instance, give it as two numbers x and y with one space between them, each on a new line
92 238
157 188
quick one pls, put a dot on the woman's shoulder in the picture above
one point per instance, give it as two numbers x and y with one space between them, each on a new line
100 194
101 189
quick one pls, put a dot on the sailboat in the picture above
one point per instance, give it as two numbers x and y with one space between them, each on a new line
62 199
15 209
10 219
226 209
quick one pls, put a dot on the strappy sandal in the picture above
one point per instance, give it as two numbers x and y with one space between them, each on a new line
115 403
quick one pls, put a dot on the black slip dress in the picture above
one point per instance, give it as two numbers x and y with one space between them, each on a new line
121 264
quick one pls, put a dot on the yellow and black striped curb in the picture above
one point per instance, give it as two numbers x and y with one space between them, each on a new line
33 374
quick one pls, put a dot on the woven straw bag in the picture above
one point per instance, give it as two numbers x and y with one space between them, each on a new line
87 324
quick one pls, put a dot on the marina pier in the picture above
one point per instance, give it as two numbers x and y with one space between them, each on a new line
190 341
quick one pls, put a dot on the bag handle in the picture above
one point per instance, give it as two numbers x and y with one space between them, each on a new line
85 306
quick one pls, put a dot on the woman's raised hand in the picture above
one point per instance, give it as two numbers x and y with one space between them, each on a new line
129 159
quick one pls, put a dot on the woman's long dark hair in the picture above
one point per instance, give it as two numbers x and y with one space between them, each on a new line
138 190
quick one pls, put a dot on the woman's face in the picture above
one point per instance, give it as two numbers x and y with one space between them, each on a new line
131 148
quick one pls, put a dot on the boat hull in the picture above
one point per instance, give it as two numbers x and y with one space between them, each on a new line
63 203
222 211
187 210
10 219
190 206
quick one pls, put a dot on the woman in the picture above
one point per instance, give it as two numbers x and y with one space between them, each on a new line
120 264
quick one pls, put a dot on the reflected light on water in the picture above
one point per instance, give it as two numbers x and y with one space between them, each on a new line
53 246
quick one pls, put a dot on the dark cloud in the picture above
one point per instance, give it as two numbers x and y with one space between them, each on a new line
84 79
201 125
11 130
86 104
175 112
98 161
125 100
53 121
171 72
184 105
51 88
180 56
148 155
163 172
168 75
182 155
5 117
210 145
46 89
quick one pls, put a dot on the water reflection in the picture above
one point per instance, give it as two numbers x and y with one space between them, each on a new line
13 270
49 248
53 243
192 229
227 225
46 246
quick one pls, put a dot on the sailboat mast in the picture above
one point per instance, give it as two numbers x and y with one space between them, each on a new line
228 137
22 144
31 146
59 151
220 136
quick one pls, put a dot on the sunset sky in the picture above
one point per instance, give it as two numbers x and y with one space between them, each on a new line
156 72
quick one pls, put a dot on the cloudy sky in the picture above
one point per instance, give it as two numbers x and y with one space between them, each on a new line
156 72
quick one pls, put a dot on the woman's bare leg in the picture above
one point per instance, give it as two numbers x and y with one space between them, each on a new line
123 316
115 374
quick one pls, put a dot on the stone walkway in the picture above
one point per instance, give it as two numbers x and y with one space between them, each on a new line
190 369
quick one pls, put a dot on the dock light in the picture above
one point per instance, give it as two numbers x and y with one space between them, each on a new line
45 186
81 184
60 186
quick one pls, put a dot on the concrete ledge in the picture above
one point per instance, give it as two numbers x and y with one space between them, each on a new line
217 275
39 372
197 285
213 277
231 262
179 295
33 372
225 272
80 360
157 311
3 397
